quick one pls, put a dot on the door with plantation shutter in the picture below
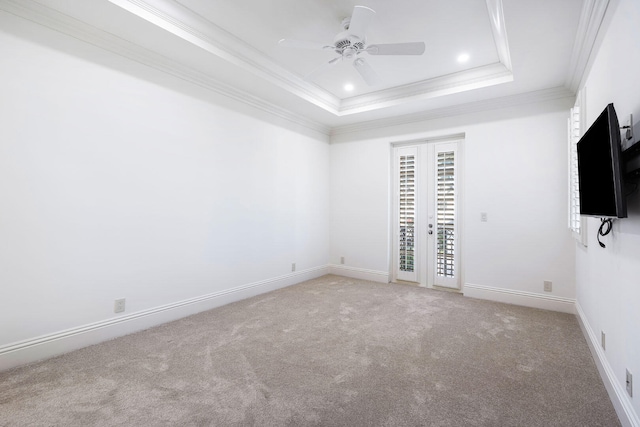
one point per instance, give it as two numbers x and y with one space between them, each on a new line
426 232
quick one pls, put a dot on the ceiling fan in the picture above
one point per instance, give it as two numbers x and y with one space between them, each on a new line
351 42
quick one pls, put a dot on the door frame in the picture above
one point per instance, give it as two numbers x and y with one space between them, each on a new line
426 275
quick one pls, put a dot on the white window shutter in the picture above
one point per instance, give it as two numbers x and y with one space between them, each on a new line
446 224
406 214
446 214
575 223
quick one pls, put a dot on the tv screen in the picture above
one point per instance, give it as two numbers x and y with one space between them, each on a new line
600 168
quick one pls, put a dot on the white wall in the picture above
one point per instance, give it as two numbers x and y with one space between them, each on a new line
515 171
123 182
608 280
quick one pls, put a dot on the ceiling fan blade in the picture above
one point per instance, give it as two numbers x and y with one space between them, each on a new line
300 44
414 48
365 70
312 75
360 20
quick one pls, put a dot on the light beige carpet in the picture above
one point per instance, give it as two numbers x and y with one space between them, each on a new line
332 351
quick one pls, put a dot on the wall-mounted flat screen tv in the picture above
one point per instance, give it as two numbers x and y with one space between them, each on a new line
600 168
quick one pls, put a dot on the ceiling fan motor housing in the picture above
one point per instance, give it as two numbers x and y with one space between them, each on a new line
348 45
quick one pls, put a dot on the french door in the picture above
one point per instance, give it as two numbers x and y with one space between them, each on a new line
426 214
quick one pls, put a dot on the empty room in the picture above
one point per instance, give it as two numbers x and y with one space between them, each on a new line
319 212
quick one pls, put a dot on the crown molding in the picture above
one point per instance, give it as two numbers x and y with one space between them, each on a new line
182 22
488 75
476 78
188 25
499 29
457 110
57 21
591 19
444 85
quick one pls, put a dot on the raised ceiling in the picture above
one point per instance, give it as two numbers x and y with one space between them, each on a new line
444 26
516 49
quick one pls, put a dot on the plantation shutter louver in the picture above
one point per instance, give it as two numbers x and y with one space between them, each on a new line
407 254
446 210
574 189
446 213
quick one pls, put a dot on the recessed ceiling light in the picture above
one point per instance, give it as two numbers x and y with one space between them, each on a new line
463 57
348 87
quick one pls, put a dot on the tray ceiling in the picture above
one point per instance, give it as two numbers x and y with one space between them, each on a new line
513 48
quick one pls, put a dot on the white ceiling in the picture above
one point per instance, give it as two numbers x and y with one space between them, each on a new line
516 49
443 25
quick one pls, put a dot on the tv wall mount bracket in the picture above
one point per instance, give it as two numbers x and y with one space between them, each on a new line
631 155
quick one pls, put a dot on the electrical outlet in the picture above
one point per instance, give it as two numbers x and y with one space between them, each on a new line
341 260
293 266
547 286
629 383
483 216
118 305
603 340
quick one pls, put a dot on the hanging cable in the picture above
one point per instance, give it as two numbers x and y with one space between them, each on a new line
605 228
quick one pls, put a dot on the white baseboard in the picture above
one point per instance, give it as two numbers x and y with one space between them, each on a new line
617 393
46 346
359 273
527 299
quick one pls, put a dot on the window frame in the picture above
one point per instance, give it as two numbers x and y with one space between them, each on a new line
576 123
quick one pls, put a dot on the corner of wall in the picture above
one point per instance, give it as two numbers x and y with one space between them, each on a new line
359 273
